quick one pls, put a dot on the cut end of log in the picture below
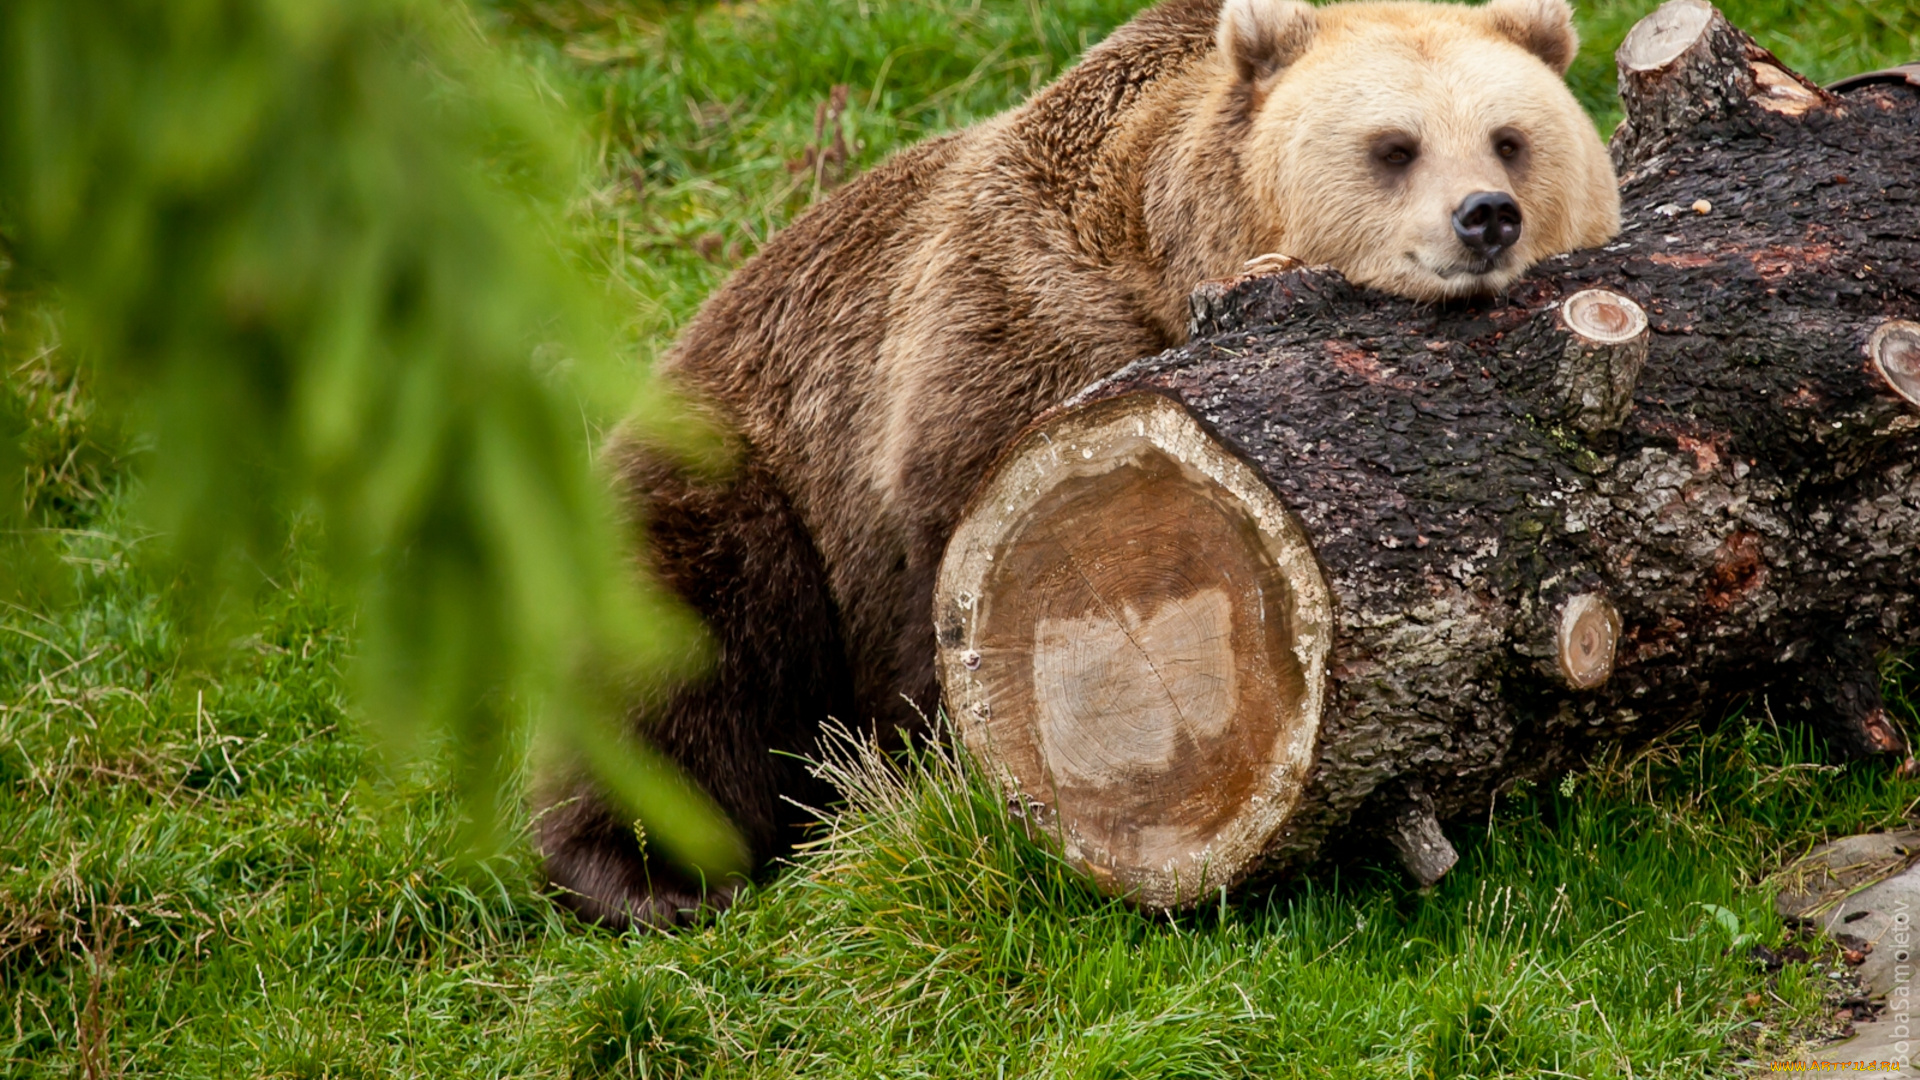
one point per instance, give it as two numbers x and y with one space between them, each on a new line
1133 635
1895 349
1664 36
1604 317
1588 637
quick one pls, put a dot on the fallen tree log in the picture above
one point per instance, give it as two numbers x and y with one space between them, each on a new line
1345 566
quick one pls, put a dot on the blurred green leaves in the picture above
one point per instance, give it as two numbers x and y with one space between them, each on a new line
318 250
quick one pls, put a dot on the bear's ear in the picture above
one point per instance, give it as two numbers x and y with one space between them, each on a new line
1259 37
1542 27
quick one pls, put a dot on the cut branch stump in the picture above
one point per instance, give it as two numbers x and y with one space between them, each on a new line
1346 567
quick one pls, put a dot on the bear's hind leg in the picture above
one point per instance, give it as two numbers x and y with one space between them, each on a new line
600 871
736 552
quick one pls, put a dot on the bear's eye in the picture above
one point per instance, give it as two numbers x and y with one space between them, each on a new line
1509 144
1395 151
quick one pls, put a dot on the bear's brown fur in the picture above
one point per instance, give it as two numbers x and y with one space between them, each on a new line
878 353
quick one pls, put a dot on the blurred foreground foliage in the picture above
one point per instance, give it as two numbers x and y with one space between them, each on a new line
317 252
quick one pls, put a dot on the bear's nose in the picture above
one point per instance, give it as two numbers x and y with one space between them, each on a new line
1488 222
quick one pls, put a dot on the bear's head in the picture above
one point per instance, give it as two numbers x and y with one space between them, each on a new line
1430 150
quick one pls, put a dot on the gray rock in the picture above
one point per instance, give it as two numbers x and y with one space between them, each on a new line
1831 871
1882 918
1864 893
1889 1039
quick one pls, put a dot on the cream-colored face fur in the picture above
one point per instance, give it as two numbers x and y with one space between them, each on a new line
1372 125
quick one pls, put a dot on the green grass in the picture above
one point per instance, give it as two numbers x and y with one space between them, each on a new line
207 868
208 872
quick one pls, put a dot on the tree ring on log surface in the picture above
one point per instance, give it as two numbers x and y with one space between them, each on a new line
1604 317
1895 348
1664 36
1151 630
1589 635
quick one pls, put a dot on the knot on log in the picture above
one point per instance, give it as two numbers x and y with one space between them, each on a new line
1600 367
1415 834
1895 349
1586 640
1685 67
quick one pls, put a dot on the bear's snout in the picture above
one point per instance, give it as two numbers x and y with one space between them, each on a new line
1488 222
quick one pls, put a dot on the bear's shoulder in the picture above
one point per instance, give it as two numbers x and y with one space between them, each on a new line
1069 121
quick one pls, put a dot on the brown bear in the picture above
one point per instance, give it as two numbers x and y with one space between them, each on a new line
876 354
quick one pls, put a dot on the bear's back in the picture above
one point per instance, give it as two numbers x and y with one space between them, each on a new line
818 288
816 294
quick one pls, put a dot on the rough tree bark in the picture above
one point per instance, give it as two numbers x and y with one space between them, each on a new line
1346 566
